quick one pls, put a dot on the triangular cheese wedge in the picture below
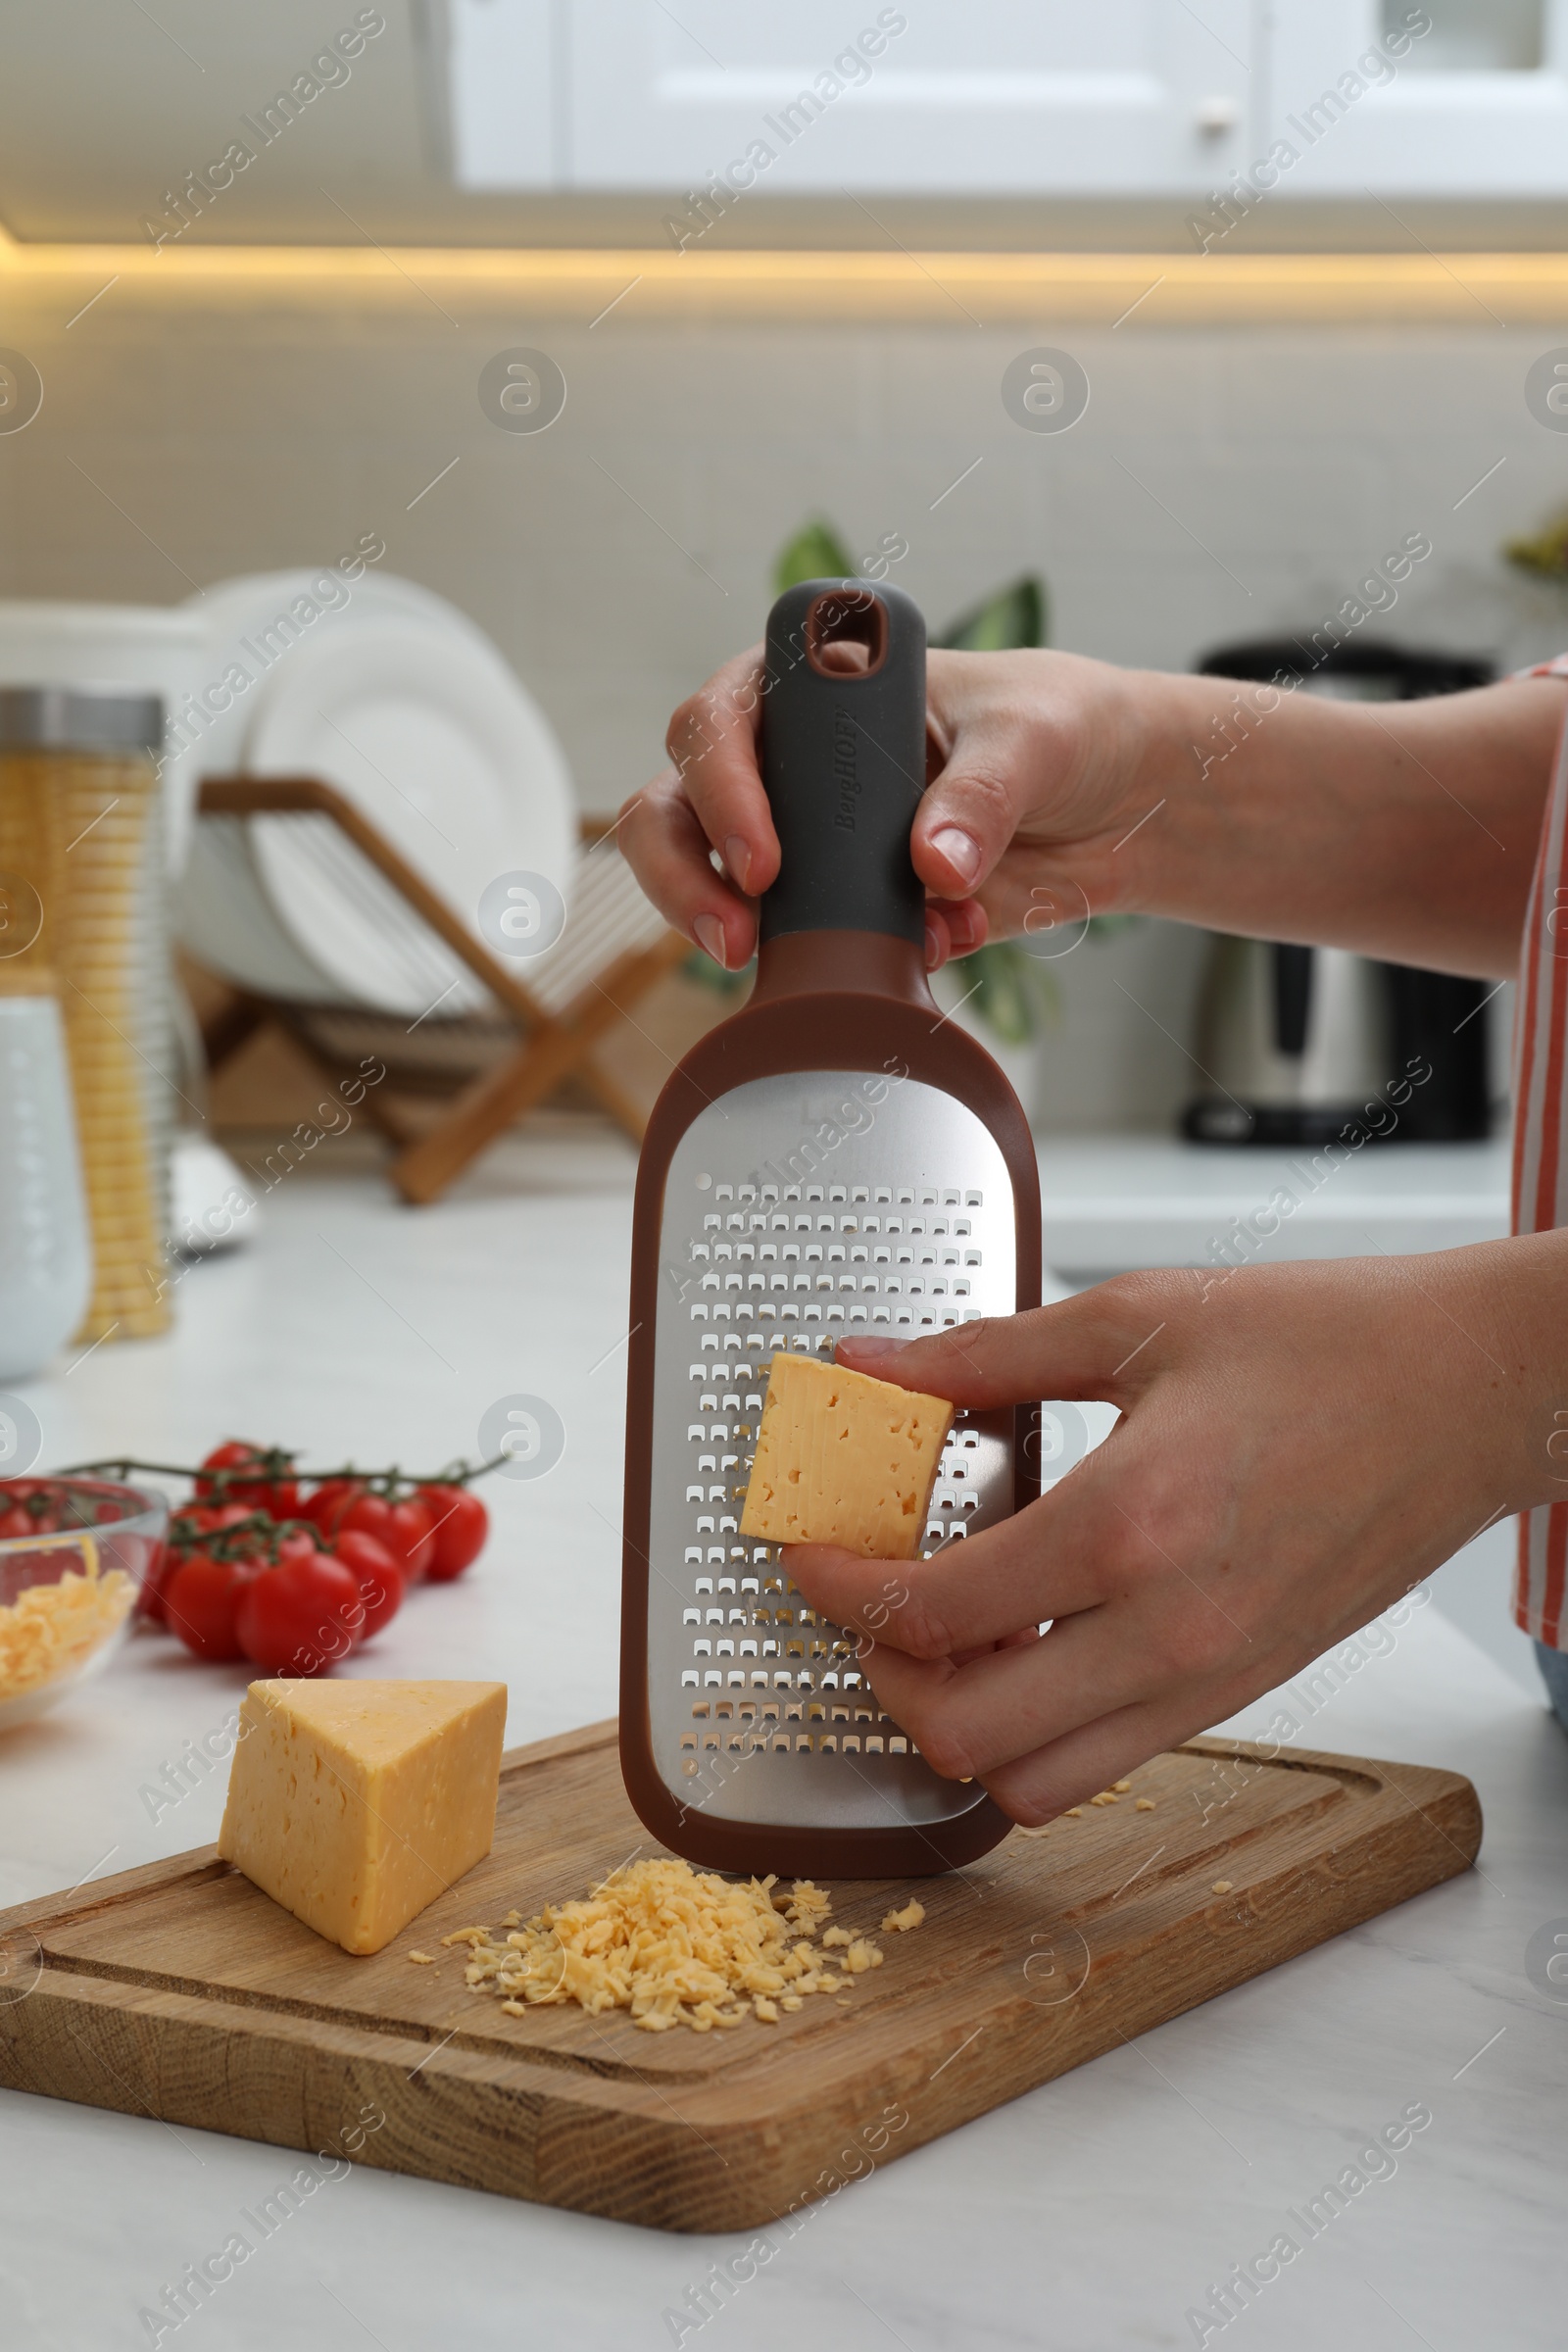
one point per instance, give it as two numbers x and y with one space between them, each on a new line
354 1804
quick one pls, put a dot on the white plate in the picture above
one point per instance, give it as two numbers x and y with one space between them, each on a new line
228 922
430 733
227 915
238 614
223 914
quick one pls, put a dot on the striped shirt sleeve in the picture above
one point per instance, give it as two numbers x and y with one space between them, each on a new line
1541 1149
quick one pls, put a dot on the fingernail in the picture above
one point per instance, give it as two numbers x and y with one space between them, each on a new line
710 938
933 946
961 853
738 859
876 1349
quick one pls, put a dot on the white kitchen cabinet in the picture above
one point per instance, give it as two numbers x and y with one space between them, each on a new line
1476 106
850 98
1019 97
505 68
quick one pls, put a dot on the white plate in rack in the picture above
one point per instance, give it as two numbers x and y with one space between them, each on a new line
404 705
434 740
248 621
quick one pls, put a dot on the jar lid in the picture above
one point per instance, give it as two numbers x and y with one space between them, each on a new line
79 718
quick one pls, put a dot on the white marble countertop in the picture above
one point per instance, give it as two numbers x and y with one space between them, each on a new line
1111 1204
1089 2215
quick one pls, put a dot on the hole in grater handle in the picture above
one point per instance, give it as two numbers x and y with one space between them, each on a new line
847 634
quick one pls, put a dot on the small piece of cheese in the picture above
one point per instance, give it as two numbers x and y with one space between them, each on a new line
1221 1886
842 1458
354 1804
900 1922
806 1905
1143 1805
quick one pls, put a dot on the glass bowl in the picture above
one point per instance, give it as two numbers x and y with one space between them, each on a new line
68 1590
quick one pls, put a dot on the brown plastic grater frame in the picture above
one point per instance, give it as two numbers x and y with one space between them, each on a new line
733 1725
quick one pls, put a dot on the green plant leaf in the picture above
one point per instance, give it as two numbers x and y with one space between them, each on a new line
1011 993
702 969
1546 554
1014 617
816 552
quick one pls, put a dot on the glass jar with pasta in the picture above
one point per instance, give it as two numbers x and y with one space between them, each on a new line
77 767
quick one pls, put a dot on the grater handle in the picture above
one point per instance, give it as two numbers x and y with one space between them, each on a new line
843 759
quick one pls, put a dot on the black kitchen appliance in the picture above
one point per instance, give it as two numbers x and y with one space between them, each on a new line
1296 1040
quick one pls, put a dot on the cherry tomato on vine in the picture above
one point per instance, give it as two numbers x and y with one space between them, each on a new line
154 1585
201 1602
331 1499
205 1516
301 1616
460 1523
197 1519
27 1508
277 1491
403 1528
300 1544
377 1574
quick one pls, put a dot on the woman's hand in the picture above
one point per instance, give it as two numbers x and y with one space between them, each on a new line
1061 787
1031 757
1298 1445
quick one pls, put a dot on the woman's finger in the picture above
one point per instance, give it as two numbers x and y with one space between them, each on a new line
1032 744
1047 1561
1011 739
1105 1343
970 1720
712 742
971 811
952 927
668 852
1038 1787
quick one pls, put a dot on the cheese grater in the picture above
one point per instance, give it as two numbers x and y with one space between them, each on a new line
837 1158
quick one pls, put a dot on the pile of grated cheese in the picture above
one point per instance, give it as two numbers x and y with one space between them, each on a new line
675 1946
50 1630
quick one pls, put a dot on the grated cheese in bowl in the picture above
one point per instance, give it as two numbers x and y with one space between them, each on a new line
50 1630
672 1945
68 1588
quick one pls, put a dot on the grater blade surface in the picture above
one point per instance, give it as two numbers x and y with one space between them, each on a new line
796 1210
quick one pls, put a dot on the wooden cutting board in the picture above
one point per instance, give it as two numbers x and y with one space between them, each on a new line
180 1992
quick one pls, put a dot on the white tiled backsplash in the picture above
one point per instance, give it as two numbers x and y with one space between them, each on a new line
1223 483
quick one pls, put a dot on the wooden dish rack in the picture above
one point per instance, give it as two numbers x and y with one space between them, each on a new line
531 1047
